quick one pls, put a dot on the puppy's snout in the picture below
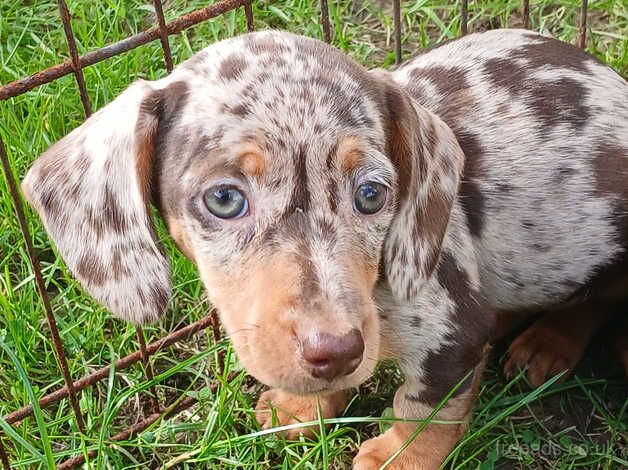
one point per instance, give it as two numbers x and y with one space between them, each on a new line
328 356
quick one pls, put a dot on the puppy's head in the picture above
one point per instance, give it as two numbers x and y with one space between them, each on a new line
290 175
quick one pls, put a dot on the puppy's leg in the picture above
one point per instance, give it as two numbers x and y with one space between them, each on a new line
437 342
433 443
291 409
555 342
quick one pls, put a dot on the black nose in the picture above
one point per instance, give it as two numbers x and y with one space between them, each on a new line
328 356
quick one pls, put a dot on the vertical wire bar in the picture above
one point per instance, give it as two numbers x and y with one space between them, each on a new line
397 26
526 14
41 286
76 63
248 12
217 337
148 370
4 458
464 17
582 43
163 34
325 20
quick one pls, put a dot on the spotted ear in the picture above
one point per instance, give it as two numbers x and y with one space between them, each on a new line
429 164
92 192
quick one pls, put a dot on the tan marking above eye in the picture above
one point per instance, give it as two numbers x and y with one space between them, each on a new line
350 153
251 160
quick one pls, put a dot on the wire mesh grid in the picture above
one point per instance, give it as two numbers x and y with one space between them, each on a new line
75 65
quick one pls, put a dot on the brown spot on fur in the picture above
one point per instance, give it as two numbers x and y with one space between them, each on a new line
91 269
553 101
546 51
455 100
431 222
609 164
274 61
159 297
118 267
232 67
470 194
444 367
241 110
300 198
446 80
265 45
50 200
112 213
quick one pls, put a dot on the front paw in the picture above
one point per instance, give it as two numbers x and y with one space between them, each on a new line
375 452
287 409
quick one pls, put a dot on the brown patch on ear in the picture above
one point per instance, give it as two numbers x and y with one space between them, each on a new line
146 129
158 111
398 144
350 151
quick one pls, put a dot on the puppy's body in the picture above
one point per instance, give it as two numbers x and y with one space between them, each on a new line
543 203
501 159
544 128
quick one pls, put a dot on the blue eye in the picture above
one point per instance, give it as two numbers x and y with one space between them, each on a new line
225 202
370 197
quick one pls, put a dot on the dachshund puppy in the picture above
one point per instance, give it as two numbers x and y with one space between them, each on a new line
338 215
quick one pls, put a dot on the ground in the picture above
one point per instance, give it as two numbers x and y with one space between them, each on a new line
580 424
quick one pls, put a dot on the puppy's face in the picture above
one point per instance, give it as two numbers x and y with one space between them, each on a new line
285 171
272 180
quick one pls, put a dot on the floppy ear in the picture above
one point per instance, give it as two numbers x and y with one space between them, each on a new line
92 192
429 164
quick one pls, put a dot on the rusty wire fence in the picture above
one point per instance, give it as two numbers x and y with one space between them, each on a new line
75 66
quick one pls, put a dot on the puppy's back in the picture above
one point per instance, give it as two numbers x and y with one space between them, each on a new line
544 128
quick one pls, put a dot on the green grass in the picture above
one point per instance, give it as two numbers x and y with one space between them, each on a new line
579 424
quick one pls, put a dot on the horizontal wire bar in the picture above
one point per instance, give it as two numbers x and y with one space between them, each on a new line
120 364
132 430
